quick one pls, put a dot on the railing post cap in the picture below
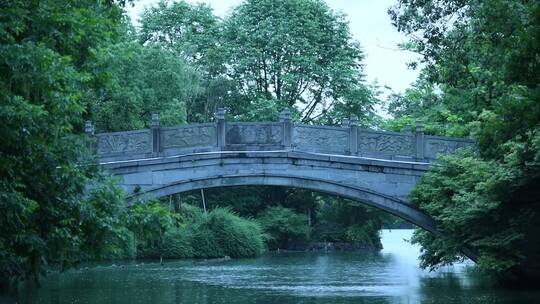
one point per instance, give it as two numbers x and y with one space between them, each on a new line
353 120
285 115
220 113
89 127
419 126
155 119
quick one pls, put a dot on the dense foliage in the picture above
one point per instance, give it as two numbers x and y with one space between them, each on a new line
133 81
284 227
308 62
190 233
480 78
265 56
343 220
295 218
43 89
62 63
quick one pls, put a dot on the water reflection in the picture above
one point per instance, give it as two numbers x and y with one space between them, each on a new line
391 276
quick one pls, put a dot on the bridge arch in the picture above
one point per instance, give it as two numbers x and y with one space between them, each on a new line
377 168
377 183
368 197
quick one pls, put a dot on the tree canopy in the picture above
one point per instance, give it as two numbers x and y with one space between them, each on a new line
265 56
62 63
299 54
480 78
43 89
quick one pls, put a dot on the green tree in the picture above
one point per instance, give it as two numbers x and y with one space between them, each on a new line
134 81
489 205
43 85
425 102
150 221
343 220
265 56
192 32
284 227
481 57
300 54
102 222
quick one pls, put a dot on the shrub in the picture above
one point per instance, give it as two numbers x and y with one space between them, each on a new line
120 246
177 244
204 242
364 233
284 226
238 237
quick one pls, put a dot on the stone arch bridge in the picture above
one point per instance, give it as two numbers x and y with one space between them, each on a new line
377 168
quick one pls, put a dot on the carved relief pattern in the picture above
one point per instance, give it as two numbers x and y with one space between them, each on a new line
124 142
189 137
436 147
321 139
386 143
254 134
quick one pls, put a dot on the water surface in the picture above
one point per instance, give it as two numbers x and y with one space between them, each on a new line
390 276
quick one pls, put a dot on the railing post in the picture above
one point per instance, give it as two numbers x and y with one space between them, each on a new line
89 128
221 128
155 134
285 119
353 135
419 137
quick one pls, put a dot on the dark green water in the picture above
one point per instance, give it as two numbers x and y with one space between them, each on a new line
391 276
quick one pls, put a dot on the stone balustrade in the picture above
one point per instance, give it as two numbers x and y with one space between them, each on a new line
222 135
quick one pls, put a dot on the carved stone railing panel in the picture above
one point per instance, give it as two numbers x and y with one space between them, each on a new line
321 139
438 145
202 135
254 133
264 136
132 142
387 143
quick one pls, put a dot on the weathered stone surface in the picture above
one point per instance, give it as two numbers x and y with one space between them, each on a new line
385 143
435 146
124 142
254 133
271 136
189 136
321 139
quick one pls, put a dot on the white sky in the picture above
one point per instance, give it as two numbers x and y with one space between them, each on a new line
369 24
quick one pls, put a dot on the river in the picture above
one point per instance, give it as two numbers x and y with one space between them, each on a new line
390 276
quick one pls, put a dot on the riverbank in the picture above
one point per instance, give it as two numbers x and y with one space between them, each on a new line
329 247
